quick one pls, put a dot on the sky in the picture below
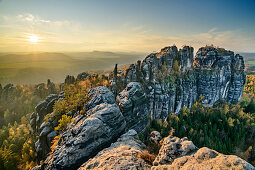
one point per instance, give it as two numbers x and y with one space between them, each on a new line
127 26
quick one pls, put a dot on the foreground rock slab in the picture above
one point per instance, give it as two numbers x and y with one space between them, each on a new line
123 154
177 153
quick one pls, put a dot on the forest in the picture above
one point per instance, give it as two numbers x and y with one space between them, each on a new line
229 129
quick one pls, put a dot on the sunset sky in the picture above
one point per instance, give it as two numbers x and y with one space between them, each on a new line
131 25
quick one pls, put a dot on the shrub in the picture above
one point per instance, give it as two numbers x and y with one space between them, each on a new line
147 157
62 123
54 143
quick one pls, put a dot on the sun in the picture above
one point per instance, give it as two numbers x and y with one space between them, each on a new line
33 39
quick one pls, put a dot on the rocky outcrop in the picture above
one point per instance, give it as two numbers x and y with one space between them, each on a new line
172 148
43 108
51 87
178 153
134 107
8 92
173 78
155 137
220 75
82 76
88 135
123 154
40 90
162 83
45 130
69 79
175 153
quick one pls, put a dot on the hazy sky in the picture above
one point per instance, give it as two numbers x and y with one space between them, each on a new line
131 25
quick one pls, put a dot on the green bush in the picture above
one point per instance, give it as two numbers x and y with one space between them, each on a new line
62 123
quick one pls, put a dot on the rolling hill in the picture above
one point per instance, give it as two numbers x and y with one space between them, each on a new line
33 68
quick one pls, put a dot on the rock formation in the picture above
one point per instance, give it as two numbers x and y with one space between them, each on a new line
220 75
82 76
178 153
173 79
175 153
45 130
161 84
88 135
69 79
8 92
133 105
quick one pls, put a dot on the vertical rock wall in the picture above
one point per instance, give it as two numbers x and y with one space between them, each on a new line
174 78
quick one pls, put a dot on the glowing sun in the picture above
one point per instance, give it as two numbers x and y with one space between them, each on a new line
33 39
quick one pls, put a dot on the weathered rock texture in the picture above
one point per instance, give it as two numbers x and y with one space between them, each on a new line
173 79
220 75
45 130
178 153
134 107
123 154
172 148
88 135
162 83
175 153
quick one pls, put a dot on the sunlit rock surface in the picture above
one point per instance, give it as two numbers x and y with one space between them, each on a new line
176 153
123 154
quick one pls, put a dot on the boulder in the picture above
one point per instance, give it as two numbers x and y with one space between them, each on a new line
172 148
123 154
88 135
99 95
155 137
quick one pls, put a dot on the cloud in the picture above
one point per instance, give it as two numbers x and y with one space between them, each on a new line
74 36
37 20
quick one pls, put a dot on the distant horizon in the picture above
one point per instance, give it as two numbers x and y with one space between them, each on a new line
140 52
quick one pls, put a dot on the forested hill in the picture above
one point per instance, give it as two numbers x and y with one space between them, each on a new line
34 68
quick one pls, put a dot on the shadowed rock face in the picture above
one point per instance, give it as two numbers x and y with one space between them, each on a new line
88 135
173 79
134 107
45 130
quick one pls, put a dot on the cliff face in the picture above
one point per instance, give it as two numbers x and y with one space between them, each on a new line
220 75
174 78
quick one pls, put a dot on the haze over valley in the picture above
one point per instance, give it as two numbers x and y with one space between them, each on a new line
34 68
